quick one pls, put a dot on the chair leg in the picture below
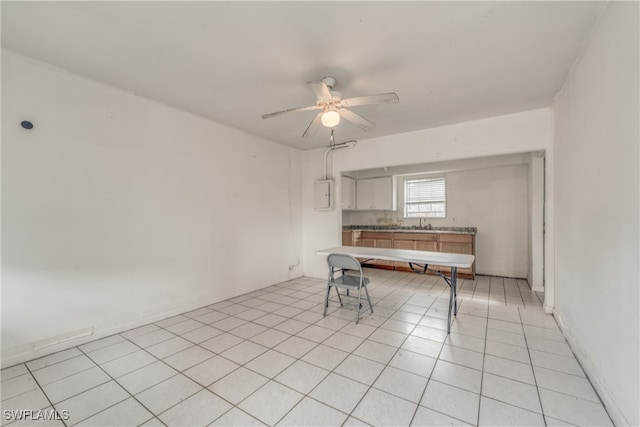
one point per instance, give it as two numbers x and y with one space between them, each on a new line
339 297
369 299
359 305
326 299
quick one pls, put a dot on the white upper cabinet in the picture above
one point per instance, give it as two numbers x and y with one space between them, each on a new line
375 194
348 193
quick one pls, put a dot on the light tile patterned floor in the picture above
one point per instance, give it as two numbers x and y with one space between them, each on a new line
269 357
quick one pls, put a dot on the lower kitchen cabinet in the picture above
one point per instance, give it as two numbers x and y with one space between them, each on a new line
432 242
351 238
347 238
374 239
458 244
416 242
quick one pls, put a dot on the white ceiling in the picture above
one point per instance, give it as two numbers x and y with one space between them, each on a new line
234 61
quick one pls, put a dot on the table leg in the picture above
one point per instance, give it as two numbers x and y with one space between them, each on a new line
453 297
454 280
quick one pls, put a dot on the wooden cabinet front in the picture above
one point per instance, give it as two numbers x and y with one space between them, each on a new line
432 242
457 244
347 238
374 239
352 238
427 245
416 242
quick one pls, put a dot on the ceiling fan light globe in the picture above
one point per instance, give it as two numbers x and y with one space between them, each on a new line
330 119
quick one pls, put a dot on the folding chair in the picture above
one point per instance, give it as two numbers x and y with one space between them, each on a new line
339 265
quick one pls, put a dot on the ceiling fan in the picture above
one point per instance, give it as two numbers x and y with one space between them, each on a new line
334 107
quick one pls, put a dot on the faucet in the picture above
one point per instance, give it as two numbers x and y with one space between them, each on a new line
427 227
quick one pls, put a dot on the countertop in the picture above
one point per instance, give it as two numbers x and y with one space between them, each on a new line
411 229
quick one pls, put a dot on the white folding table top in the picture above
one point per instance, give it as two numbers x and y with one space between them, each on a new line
444 259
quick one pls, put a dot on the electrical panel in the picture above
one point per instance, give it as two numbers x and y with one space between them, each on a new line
323 195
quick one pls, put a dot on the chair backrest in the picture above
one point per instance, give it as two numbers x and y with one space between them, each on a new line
343 261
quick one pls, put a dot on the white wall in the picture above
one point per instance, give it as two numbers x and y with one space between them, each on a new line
492 199
536 222
516 133
596 204
117 210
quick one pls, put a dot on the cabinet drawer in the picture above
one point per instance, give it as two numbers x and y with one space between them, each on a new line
416 236
377 235
456 248
456 238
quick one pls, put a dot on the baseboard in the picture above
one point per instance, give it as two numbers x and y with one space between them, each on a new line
71 339
609 403
59 343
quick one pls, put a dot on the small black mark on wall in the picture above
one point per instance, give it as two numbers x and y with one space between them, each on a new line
26 124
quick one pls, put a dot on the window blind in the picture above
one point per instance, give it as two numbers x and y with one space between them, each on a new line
425 197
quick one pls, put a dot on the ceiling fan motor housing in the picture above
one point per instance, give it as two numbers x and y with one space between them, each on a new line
329 81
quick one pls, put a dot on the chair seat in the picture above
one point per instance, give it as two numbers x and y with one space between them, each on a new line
349 281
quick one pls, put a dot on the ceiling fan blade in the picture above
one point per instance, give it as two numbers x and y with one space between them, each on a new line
313 126
321 90
291 110
382 98
356 119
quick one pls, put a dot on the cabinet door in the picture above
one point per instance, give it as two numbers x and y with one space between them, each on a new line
384 243
368 243
403 244
374 239
347 238
424 245
457 244
348 193
375 194
364 194
420 241
356 238
382 193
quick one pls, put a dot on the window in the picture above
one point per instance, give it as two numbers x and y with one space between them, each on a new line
424 197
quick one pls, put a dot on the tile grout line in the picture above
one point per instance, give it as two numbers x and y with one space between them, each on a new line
560 392
182 372
215 354
154 415
484 356
44 393
273 379
434 366
535 380
370 386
